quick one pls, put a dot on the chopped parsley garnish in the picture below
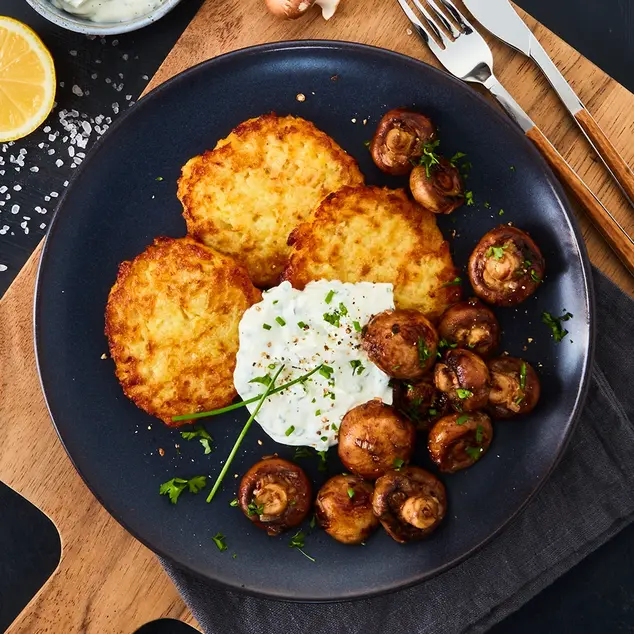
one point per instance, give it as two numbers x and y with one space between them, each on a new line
234 502
456 157
326 371
398 463
523 377
461 420
462 393
479 433
496 252
333 318
474 452
432 412
554 323
329 297
290 430
512 168
429 157
264 380
280 321
312 522
255 509
302 325
350 492
535 277
297 541
343 310
266 326
302 452
323 460
334 427
443 343
367 143
219 540
423 352
357 367
487 205
468 197
174 487
318 412
324 438
202 435
357 326
455 282
159 178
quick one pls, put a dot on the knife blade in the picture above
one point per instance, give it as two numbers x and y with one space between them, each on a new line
500 18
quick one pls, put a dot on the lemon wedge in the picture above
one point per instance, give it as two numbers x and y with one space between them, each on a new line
27 80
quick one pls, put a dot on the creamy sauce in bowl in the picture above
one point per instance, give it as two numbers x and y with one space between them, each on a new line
303 330
108 10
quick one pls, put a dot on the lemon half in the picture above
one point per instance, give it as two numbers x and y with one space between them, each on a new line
27 80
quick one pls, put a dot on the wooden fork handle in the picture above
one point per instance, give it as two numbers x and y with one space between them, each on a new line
612 232
619 168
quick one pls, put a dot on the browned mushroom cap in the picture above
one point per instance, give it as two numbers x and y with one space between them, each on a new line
423 402
344 509
275 494
464 377
410 503
514 387
458 440
470 325
438 188
403 343
399 139
506 267
373 438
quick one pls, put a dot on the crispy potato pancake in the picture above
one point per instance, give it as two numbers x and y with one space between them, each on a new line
172 326
369 234
246 196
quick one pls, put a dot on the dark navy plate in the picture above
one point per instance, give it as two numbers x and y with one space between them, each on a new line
118 203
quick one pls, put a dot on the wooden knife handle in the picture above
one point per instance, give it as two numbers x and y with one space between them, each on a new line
621 170
614 235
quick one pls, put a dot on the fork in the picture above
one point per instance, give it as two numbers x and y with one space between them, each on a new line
466 55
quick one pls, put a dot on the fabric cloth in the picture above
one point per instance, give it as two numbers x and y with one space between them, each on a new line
586 501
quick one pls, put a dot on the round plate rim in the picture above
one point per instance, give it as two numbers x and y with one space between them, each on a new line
341 46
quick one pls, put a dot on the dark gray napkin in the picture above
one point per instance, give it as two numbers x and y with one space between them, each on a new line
587 500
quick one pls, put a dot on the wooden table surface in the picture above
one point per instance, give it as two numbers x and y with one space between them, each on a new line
107 581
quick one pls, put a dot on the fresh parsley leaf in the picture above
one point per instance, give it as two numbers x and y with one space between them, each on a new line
496 252
423 352
202 435
197 483
554 323
255 509
174 487
357 367
468 197
326 371
350 492
280 321
461 420
429 158
329 297
219 540
297 541
462 393
398 463
456 157
474 452
456 282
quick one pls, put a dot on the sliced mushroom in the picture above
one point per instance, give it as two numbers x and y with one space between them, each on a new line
344 509
403 343
506 267
410 503
275 494
400 139
438 188
464 377
470 325
293 9
374 438
423 402
459 440
515 387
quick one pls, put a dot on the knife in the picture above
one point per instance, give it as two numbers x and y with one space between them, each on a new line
500 18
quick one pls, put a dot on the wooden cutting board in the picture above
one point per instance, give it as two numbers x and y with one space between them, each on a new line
106 581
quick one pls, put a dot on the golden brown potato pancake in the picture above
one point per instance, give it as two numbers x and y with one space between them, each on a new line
172 326
369 234
245 196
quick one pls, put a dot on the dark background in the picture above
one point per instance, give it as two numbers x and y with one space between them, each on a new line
93 74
